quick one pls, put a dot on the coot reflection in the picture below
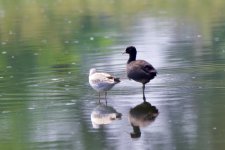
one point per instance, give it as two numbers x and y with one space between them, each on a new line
103 114
141 115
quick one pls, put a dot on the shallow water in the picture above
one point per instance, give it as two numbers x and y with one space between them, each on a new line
47 49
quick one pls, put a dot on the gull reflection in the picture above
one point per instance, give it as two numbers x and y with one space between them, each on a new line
103 114
141 115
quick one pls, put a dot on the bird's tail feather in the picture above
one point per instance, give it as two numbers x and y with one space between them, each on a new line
117 80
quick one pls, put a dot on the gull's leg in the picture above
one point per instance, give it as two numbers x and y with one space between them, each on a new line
105 98
99 97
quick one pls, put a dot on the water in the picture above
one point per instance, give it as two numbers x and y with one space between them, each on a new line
47 49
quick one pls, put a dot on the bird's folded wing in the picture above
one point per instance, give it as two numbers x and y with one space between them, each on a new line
102 77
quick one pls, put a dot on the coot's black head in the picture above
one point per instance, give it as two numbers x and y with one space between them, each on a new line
131 50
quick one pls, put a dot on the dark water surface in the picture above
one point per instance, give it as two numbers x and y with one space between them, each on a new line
47 49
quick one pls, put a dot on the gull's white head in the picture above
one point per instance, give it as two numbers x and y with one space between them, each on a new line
92 71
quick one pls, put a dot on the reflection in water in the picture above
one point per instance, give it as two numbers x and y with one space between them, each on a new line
103 114
142 115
